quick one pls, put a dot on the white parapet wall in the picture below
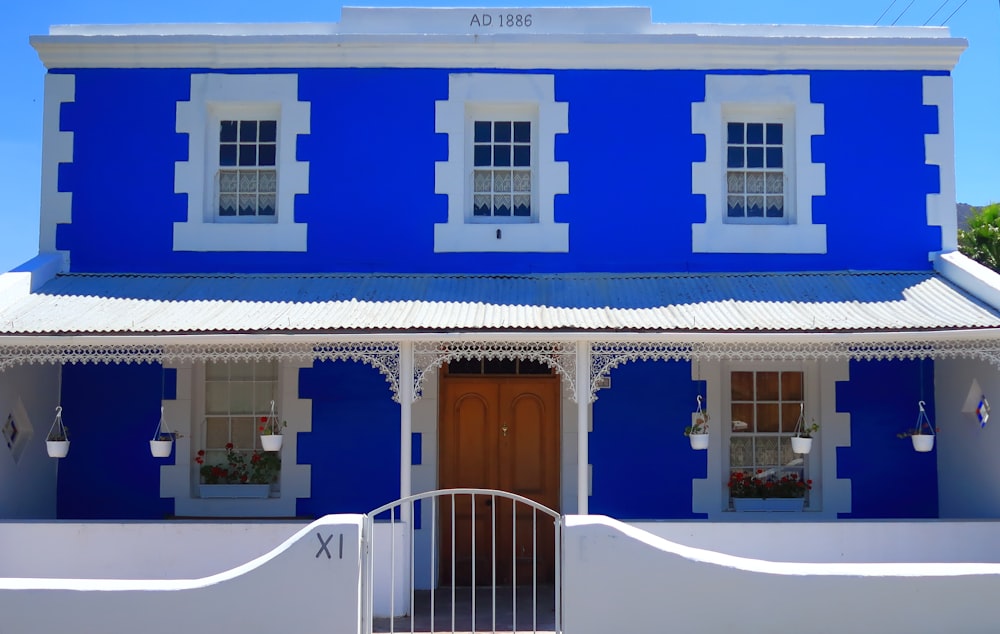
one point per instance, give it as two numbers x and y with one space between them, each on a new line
310 583
615 574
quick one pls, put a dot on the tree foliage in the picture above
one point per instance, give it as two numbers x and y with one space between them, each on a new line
981 241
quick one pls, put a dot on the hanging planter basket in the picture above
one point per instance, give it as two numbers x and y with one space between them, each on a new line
163 439
697 433
922 442
802 437
270 432
57 440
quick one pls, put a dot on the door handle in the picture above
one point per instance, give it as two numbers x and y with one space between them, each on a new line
504 430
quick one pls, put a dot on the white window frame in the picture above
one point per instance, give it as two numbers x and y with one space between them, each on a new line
501 96
216 97
239 114
786 118
773 98
809 385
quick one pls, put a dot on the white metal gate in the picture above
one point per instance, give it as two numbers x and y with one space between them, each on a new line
391 601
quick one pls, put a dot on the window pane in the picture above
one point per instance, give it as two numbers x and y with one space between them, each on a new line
501 155
244 431
736 209
216 432
483 156
227 131
522 155
214 370
755 133
767 386
742 417
741 452
267 181
481 205
774 134
755 182
466 366
502 205
775 183
766 452
248 131
248 155
216 397
227 155
755 157
735 133
522 205
482 180
266 205
501 132
267 154
241 397
774 157
736 182
522 132
228 204
734 157
767 417
741 386
522 181
499 366
482 132
789 416
791 386
755 206
501 181
268 131
775 207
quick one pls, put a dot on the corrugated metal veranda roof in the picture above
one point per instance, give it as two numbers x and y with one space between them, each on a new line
90 304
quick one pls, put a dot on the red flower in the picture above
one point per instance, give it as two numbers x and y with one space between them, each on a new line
243 478
229 445
261 428
199 460
201 452
263 419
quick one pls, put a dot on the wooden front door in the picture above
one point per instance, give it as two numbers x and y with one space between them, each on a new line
499 433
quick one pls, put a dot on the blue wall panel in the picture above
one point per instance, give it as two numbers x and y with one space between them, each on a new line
353 448
642 463
373 146
111 411
888 478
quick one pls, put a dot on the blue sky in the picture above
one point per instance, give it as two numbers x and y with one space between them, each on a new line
977 78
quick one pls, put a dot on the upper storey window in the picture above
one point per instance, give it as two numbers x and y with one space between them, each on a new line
755 171
758 177
241 177
502 169
248 179
501 176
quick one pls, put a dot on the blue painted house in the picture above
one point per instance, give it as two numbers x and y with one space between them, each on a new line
514 249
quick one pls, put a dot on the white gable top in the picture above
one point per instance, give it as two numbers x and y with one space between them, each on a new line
526 37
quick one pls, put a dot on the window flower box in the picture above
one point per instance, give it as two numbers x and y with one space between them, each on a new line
769 504
234 490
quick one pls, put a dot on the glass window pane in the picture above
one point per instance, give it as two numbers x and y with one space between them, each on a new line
791 386
242 370
734 157
741 452
755 133
241 397
228 204
522 205
741 386
501 155
499 366
227 131
216 433
466 366
767 386
483 156
267 154
244 432
522 155
755 206
774 134
268 131
481 205
734 132
755 182
501 132
522 132
501 181
216 397
775 183
742 417
248 131
482 132
736 208
789 416
266 205
767 417
766 452
522 181
227 155
216 370
248 155
775 157
775 206
755 157
267 181
502 205
482 181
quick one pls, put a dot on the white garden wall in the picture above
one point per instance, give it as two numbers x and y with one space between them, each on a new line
615 573
310 583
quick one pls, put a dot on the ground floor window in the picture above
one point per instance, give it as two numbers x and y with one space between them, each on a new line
238 398
764 409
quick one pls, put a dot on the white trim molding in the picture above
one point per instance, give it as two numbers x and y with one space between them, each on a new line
788 95
57 149
214 95
476 91
939 150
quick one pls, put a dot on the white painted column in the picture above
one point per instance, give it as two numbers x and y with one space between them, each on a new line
405 423
582 426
